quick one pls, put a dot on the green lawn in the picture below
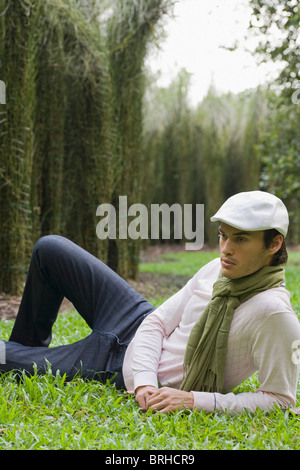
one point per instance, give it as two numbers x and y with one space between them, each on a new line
49 413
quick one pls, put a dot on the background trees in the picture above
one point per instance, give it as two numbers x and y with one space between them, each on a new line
278 25
17 142
130 29
84 124
70 131
202 155
280 143
237 143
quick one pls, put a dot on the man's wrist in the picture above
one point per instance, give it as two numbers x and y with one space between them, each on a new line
204 401
144 378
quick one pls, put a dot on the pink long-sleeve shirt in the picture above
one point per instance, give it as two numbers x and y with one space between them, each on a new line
264 337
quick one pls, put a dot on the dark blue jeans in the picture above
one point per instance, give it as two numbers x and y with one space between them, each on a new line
109 305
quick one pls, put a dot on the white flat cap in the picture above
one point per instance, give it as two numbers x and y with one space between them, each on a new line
254 210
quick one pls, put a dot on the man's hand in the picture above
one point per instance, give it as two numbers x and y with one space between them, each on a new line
164 399
142 395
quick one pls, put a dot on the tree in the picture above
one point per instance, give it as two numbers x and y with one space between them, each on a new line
277 22
279 151
130 30
18 47
202 155
71 129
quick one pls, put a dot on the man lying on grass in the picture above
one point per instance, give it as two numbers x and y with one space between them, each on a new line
232 318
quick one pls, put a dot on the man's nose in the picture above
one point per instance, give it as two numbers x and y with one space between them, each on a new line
227 247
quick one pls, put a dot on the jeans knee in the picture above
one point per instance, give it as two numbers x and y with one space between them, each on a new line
48 244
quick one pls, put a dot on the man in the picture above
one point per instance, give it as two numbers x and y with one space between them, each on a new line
233 318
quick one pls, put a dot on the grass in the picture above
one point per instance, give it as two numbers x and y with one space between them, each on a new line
49 413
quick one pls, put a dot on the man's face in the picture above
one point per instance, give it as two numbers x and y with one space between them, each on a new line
242 253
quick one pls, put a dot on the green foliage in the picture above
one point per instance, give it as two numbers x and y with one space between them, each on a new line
278 21
279 151
76 133
230 143
130 30
16 142
181 264
202 155
71 128
55 129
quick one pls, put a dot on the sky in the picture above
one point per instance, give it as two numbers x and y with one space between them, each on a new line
196 39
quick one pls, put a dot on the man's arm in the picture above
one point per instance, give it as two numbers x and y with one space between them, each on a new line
146 348
274 357
148 341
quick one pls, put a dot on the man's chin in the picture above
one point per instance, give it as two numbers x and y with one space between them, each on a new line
229 274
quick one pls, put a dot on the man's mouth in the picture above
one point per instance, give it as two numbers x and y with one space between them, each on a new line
227 263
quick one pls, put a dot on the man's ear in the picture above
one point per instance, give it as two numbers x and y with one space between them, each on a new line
276 244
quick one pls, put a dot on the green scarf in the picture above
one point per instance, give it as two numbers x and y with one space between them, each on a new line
206 349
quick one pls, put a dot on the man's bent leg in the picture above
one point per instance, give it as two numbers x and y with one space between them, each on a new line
59 268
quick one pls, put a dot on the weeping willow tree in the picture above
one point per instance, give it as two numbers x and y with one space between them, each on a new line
71 128
230 127
55 130
48 158
279 151
84 175
173 173
203 155
130 30
18 70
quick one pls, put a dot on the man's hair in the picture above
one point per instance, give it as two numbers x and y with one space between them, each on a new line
281 256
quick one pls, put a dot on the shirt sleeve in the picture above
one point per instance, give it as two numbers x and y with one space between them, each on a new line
235 404
273 354
276 358
148 340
